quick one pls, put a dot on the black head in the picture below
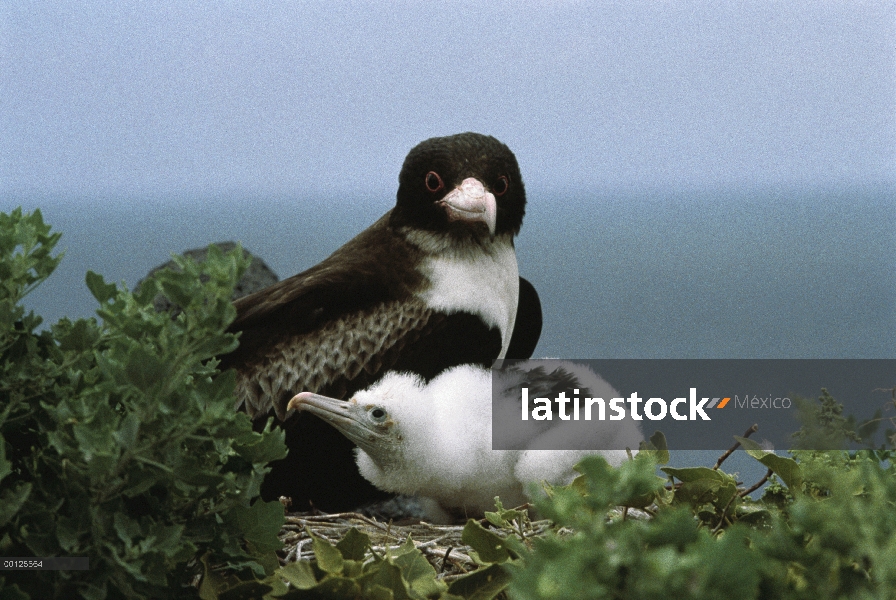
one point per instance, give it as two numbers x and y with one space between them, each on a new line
451 184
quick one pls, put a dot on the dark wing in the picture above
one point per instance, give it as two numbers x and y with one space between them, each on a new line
527 327
350 353
337 327
353 278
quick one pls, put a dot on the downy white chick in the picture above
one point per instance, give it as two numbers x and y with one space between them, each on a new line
435 440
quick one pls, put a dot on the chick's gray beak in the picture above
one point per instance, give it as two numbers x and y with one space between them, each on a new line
333 411
346 417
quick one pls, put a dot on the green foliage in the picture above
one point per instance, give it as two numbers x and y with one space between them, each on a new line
353 569
825 528
119 441
825 427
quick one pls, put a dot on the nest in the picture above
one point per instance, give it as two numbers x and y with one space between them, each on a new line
440 544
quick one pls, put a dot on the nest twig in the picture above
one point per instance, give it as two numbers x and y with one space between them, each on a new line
440 544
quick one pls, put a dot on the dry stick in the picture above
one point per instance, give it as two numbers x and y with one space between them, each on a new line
728 452
445 558
432 542
758 484
334 516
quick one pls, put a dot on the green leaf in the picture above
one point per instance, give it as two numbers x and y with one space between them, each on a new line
376 591
101 290
504 517
177 287
753 514
483 584
658 447
406 546
337 587
299 574
696 474
5 465
389 577
419 574
256 447
260 524
79 336
128 429
165 539
701 491
329 558
144 369
69 532
489 547
785 468
676 527
354 545
127 528
12 500
12 592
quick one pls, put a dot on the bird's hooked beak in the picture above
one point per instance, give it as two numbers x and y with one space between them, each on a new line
471 202
349 418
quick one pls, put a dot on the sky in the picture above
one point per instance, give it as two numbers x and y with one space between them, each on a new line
703 178
127 99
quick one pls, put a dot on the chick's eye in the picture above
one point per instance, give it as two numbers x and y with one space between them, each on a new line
501 185
433 182
378 415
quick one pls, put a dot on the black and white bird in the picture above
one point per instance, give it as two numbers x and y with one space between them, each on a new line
432 284
435 439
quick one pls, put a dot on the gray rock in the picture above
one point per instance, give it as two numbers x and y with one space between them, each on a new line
257 277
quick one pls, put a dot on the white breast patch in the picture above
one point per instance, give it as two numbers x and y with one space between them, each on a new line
483 283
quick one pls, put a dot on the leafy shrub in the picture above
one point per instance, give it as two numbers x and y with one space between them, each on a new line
826 528
119 441
353 569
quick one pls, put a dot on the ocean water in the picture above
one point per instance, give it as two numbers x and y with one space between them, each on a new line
667 274
761 273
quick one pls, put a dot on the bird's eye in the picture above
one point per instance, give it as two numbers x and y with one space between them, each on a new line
501 185
378 415
434 182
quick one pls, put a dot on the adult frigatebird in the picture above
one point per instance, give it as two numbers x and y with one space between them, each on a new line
432 284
